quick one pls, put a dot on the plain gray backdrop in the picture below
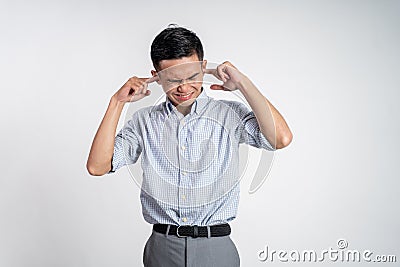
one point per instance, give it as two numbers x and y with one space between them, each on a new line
332 68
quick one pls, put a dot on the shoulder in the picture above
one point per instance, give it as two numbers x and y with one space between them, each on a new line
144 113
232 105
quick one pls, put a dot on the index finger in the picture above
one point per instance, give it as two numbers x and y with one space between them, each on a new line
210 71
152 79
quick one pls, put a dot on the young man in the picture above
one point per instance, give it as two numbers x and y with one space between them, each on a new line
190 149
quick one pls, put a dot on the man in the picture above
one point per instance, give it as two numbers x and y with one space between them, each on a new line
189 146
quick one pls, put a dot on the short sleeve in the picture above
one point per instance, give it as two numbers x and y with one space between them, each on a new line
127 146
250 132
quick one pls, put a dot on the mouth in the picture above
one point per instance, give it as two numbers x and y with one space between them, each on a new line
184 97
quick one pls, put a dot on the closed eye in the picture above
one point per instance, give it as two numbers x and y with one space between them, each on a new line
193 76
175 81
181 81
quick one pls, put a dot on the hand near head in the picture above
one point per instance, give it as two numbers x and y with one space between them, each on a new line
134 89
228 74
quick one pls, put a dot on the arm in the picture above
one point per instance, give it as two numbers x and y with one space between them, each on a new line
272 124
101 152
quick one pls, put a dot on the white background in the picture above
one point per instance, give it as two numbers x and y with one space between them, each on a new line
332 68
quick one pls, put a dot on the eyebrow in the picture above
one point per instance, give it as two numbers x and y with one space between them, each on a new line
191 77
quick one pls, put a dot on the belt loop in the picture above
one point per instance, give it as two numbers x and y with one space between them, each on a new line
168 226
208 231
195 231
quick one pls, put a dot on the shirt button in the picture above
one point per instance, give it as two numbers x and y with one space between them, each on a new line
183 197
183 147
184 173
184 219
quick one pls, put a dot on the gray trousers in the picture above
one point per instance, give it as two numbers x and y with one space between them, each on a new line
173 251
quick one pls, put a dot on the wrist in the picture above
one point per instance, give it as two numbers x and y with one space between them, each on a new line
114 102
244 84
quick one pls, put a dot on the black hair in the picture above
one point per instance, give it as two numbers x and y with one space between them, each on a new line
175 42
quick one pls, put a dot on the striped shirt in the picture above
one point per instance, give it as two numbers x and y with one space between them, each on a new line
190 163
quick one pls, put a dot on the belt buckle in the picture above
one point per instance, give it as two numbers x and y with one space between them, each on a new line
177 231
195 231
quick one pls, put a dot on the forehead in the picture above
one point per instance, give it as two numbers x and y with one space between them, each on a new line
166 63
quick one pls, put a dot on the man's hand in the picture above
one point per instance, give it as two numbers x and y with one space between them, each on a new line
134 89
230 76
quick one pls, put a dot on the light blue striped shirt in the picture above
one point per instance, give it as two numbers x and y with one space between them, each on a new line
190 163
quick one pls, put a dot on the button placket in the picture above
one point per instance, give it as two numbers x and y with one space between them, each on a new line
183 174
182 147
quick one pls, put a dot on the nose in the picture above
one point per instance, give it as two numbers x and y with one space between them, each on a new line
183 88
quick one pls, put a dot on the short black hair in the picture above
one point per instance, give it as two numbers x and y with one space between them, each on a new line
175 42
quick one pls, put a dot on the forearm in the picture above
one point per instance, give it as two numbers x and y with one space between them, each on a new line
101 152
272 124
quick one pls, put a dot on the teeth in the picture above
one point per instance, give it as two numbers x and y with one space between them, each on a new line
184 95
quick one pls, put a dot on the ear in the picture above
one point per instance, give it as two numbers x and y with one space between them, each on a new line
154 73
204 65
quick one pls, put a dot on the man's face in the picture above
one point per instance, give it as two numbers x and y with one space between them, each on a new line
182 79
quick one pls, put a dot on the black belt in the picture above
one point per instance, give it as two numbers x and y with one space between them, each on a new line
193 230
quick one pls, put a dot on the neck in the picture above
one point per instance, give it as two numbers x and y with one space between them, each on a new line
184 109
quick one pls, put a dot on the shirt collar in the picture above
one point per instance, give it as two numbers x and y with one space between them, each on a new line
197 106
